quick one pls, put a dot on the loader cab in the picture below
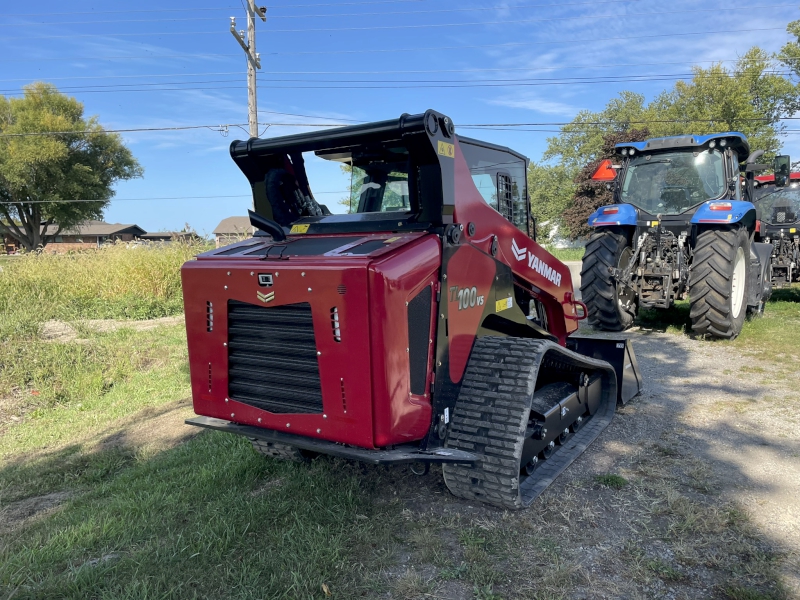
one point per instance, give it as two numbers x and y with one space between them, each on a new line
401 177
385 183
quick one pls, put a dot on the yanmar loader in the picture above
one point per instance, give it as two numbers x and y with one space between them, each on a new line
424 327
683 223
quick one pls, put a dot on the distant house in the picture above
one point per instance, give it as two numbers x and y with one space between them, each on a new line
91 234
233 229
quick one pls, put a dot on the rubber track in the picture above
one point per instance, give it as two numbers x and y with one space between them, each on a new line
491 416
279 451
597 287
710 283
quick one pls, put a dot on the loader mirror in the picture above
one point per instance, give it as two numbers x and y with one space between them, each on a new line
605 171
782 165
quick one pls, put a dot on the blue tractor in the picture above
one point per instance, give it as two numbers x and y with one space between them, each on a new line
683 224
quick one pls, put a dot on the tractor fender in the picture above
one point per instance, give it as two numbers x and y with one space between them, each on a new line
613 214
726 212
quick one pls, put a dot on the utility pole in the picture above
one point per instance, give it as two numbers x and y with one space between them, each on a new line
253 59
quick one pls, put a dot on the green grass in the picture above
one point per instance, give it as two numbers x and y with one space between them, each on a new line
771 337
44 374
208 519
610 480
563 254
84 394
112 282
774 336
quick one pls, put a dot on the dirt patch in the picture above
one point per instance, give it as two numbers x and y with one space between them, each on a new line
692 492
151 429
62 331
13 408
18 514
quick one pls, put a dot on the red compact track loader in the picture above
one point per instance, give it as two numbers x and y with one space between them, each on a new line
426 326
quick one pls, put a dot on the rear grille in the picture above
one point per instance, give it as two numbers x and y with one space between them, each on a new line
272 358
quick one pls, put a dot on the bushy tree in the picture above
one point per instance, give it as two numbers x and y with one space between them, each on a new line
41 174
591 195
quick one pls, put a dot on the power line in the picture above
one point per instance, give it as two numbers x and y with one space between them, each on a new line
71 201
328 16
398 83
582 41
272 112
162 10
499 126
418 25
381 72
217 128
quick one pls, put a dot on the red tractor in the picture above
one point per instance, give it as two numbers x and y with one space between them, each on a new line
426 326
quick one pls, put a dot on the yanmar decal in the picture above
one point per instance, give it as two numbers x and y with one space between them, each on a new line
535 263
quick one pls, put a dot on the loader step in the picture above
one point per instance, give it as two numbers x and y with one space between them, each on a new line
407 453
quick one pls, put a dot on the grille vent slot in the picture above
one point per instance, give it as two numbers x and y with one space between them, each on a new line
344 397
272 357
209 317
342 289
419 328
337 332
209 377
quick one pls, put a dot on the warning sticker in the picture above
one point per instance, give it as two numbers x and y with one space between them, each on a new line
448 150
300 228
392 239
503 304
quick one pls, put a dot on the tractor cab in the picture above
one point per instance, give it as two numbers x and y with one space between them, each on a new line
680 180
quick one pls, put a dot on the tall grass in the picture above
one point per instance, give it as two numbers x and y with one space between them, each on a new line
113 282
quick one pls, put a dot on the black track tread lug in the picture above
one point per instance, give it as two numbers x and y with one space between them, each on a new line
498 386
597 287
710 282
279 451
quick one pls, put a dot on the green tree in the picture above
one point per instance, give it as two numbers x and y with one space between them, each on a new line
551 187
581 140
41 174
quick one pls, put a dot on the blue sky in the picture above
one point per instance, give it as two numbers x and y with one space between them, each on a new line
162 64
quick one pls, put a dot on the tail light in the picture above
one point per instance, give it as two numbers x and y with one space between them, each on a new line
610 210
720 206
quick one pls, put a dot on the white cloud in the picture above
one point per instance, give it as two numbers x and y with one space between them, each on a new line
547 107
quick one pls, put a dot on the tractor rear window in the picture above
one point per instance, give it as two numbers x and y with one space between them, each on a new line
672 182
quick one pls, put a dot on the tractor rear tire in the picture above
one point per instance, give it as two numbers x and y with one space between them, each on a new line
281 451
611 307
719 282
